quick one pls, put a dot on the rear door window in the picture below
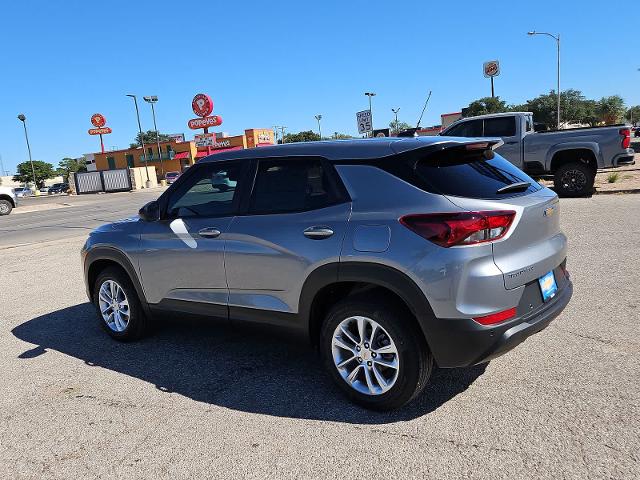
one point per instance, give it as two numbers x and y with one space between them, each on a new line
500 127
471 128
456 174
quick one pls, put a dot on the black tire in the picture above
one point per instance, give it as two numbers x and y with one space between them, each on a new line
574 179
415 359
137 325
5 207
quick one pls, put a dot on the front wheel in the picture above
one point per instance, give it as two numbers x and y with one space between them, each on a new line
375 353
5 207
574 179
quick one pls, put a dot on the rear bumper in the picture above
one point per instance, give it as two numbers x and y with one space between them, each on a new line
626 158
464 342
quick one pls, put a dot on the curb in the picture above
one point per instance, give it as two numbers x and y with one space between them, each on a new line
614 192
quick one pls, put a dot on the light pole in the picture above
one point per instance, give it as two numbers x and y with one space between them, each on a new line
2 170
23 119
318 118
370 94
282 129
152 100
144 155
557 39
395 111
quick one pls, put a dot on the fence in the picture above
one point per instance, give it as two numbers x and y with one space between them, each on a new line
103 181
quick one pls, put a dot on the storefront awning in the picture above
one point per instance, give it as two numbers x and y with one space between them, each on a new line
181 155
203 153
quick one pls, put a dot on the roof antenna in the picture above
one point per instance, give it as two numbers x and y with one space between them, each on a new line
423 109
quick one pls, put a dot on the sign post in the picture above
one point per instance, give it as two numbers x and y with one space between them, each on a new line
491 69
98 121
364 121
202 106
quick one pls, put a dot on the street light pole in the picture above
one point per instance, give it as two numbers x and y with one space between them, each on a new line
557 39
23 119
144 155
152 100
370 94
318 118
282 129
395 111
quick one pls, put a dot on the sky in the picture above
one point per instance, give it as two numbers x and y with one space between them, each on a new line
281 63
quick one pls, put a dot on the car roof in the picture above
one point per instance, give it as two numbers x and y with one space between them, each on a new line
335 150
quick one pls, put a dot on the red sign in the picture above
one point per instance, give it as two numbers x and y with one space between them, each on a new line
99 131
206 122
202 105
491 69
98 120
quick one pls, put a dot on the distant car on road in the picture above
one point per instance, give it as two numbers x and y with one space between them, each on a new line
23 192
44 190
8 200
58 188
171 177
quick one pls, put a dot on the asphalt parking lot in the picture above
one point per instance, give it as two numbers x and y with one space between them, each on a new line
198 400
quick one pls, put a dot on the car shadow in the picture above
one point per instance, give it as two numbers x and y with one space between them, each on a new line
240 368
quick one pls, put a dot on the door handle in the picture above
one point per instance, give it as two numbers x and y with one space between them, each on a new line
510 143
318 233
209 232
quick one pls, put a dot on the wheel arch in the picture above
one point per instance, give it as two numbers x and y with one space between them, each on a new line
7 197
574 152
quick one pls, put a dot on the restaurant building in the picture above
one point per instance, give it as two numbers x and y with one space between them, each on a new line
176 156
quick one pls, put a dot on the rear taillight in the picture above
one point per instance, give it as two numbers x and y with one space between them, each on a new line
625 133
496 317
462 228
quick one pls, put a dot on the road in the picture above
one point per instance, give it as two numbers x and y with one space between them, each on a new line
200 400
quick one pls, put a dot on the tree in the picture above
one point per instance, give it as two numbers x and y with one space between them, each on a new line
71 165
590 114
611 109
340 136
43 171
633 114
149 138
398 127
486 105
306 136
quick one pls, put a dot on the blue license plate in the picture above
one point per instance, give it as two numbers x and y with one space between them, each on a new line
548 286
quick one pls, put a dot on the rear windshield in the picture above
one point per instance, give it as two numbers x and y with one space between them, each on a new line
460 175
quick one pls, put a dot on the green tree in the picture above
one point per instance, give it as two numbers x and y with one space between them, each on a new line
306 136
633 114
68 165
149 138
486 105
398 127
611 109
43 171
340 136
590 113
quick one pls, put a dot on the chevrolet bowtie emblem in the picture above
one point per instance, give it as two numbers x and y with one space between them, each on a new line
549 211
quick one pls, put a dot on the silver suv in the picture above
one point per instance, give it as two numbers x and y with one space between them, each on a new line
390 255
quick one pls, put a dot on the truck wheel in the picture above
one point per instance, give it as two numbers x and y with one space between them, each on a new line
118 305
375 353
574 179
5 207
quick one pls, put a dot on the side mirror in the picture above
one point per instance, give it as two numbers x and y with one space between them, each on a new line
150 212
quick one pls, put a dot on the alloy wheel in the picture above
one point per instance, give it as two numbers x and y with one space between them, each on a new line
114 306
573 180
365 355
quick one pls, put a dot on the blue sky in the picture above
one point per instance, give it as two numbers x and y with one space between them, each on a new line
280 63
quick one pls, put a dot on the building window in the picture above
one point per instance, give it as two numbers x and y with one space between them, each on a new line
112 163
150 153
130 162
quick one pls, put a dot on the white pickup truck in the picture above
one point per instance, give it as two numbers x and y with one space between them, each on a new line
570 156
8 200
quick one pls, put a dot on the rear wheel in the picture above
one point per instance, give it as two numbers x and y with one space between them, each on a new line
574 179
5 207
118 305
375 353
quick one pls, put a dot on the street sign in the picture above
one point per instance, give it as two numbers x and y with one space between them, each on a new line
491 68
98 120
364 121
202 105
99 131
206 122
205 140
176 137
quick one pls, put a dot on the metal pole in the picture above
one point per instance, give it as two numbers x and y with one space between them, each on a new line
371 117
153 112
492 90
395 111
558 40
2 170
135 101
33 170
318 118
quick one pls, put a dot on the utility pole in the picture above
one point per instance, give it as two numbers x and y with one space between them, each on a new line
23 119
283 129
144 154
152 100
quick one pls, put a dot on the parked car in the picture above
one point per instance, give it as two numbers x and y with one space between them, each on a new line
23 192
171 177
571 156
44 190
58 188
8 200
463 262
636 131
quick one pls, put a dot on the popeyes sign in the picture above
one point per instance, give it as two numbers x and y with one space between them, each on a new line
202 106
